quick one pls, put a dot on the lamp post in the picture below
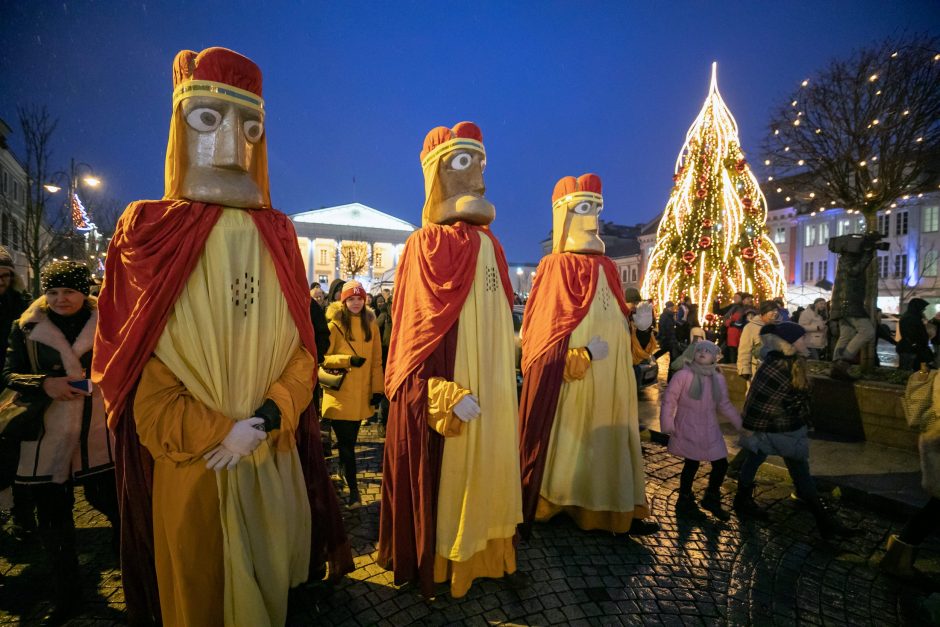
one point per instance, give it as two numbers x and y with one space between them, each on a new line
77 174
519 279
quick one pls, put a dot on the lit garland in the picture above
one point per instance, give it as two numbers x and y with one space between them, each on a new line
711 241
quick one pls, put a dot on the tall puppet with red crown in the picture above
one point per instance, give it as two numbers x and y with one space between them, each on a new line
450 486
205 354
580 442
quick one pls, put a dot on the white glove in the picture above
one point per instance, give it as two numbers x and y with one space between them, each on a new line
220 457
467 408
598 348
244 437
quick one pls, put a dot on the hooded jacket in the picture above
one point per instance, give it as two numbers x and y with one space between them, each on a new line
351 401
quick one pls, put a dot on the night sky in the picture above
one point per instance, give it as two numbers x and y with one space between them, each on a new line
351 88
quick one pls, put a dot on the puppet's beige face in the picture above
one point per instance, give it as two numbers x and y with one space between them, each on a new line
577 227
221 145
460 175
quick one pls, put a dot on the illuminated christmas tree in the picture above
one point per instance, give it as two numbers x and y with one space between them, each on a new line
711 241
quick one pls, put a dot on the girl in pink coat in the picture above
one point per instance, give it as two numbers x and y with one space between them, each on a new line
689 416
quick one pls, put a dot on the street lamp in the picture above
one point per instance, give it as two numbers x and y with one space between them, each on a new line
77 174
519 280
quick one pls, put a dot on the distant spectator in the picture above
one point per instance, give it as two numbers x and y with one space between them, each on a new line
784 313
749 348
814 320
318 295
336 288
914 346
667 333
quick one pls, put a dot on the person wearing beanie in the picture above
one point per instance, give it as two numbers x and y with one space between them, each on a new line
579 442
688 415
49 357
208 378
914 346
356 349
750 343
777 414
451 493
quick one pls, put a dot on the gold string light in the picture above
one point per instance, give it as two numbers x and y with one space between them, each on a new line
711 240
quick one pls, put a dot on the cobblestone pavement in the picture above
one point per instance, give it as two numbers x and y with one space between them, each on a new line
694 572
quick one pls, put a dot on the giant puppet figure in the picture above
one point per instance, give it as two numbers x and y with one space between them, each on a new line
580 442
450 486
206 358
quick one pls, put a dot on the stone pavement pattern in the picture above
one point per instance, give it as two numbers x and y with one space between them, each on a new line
694 572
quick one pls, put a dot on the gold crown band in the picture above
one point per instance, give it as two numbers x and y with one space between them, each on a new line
591 196
188 89
453 144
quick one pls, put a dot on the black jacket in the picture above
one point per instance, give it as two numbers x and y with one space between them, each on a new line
914 338
666 333
321 331
12 306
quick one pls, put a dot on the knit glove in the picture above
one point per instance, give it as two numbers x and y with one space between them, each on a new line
467 408
597 348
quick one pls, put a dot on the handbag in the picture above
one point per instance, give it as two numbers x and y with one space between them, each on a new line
332 378
21 420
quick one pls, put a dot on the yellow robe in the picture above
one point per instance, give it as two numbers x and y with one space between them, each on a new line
594 462
230 343
480 496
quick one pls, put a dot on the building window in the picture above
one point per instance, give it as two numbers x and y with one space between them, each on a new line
883 266
5 230
900 266
810 235
823 232
377 259
16 192
16 235
323 279
780 235
900 223
807 271
931 219
930 263
884 222
844 227
633 275
823 269
623 275
4 181
324 257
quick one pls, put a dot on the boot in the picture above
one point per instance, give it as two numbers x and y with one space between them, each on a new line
712 502
642 527
686 505
67 587
745 505
830 527
355 500
899 559
840 371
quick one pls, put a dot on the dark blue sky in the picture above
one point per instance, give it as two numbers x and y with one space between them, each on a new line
351 88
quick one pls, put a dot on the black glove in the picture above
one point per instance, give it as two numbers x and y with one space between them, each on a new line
356 361
376 399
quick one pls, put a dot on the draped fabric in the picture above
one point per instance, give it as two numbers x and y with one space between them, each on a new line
435 273
562 292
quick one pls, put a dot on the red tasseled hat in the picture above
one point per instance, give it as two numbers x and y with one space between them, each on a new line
569 185
219 65
440 134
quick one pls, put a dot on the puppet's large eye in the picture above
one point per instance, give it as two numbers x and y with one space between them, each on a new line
461 161
253 130
204 119
582 207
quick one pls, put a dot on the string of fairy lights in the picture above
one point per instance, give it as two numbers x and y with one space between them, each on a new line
879 129
711 240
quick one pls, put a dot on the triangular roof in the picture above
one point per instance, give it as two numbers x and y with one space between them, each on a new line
354 214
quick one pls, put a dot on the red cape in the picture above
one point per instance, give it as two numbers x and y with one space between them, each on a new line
435 272
565 285
434 279
154 249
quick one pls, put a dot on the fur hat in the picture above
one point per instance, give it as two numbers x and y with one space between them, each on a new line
6 259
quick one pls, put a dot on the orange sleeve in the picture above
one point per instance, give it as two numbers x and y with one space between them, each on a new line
171 422
442 396
577 363
292 393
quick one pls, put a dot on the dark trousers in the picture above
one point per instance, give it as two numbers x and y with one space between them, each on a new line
798 469
347 432
922 523
715 478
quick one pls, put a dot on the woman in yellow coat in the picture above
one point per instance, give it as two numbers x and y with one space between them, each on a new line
356 348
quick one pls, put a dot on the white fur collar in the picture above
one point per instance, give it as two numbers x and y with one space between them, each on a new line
47 333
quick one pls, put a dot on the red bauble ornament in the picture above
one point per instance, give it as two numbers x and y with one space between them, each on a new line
747 202
701 192
706 223
675 177
741 165
709 317
748 253
689 270
688 256
705 242
702 179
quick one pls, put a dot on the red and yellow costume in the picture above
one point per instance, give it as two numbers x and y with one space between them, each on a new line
579 434
182 351
450 489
